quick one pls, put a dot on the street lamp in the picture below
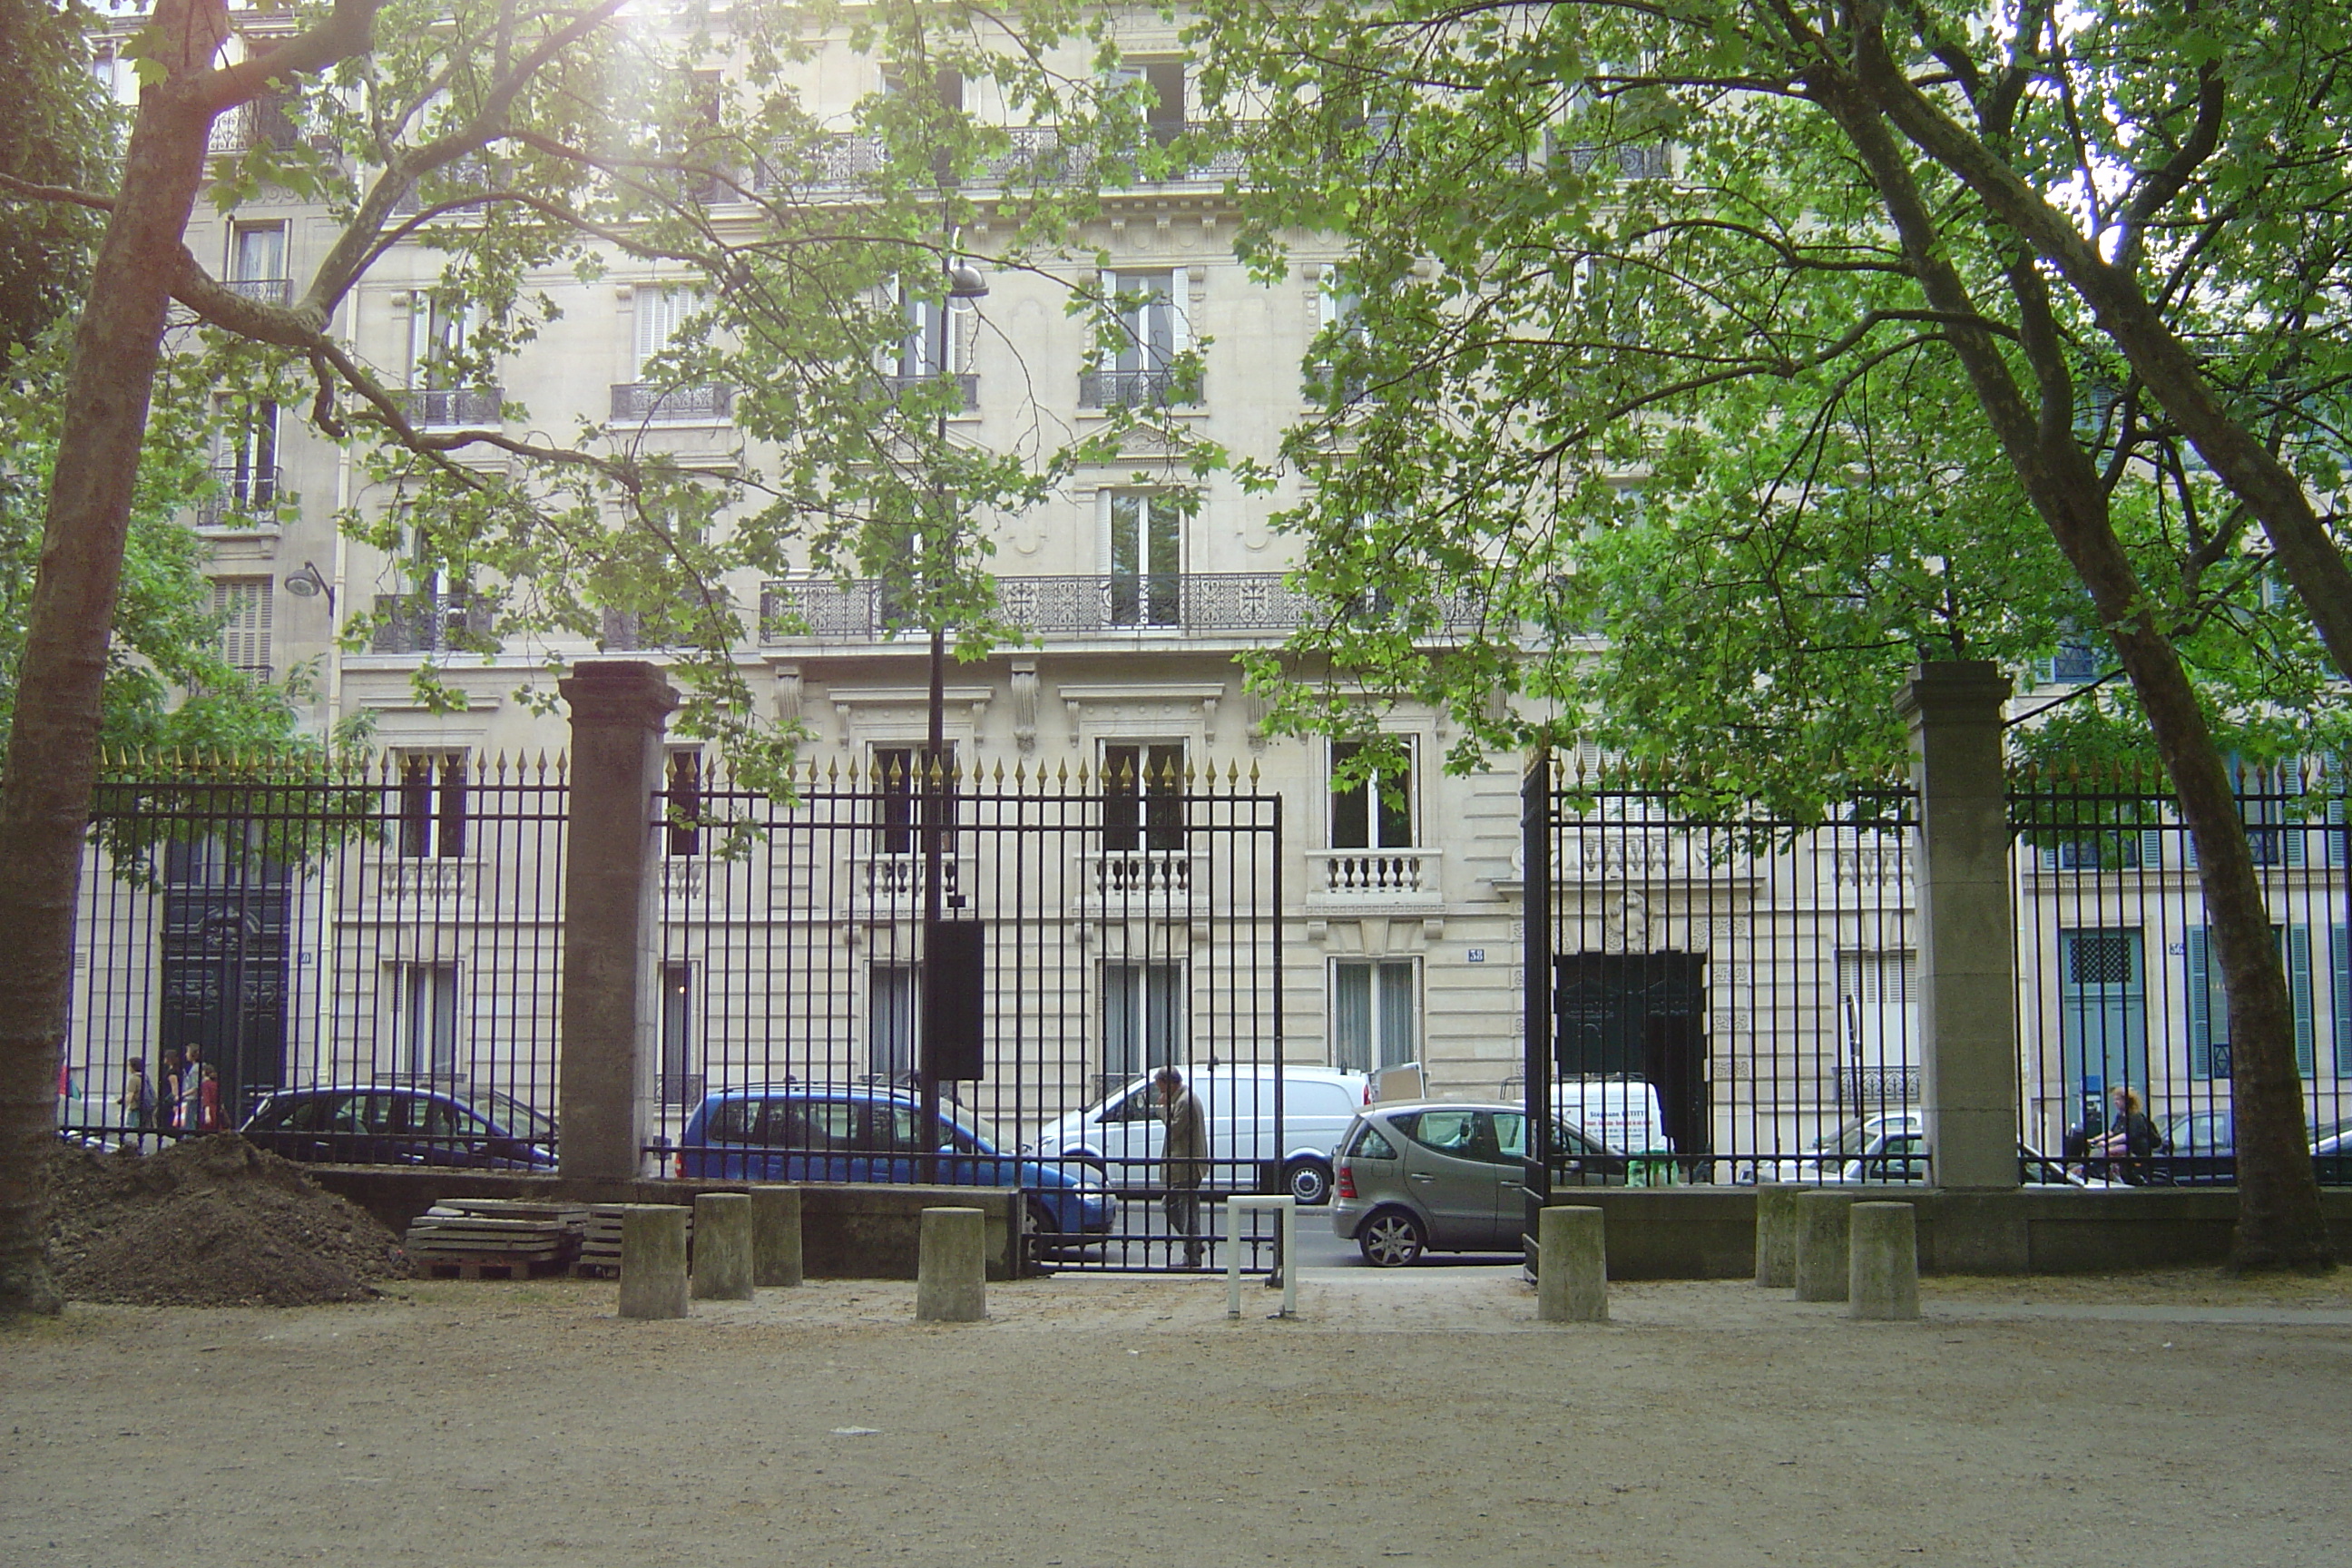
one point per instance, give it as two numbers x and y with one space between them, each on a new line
962 282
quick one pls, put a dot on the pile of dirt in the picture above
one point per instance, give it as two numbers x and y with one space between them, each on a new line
211 1222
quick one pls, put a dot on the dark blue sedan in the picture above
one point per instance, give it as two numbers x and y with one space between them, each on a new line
814 1133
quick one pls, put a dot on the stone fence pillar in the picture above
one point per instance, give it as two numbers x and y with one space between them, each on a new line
1968 924
612 916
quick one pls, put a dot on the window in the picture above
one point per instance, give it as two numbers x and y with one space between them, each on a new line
661 313
425 1005
1373 1014
2102 1011
242 604
947 83
1146 550
1376 813
1152 328
439 332
247 464
1371 1146
1143 1016
683 807
679 1083
1878 1012
1143 796
1163 92
2209 1006
257 261
1339 312
1461 1133
901 777
432 804
894 1022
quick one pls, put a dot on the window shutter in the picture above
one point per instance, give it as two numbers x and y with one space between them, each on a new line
420 337
2200 1006
2339 971
653 325
2291 819
2298 980
2331 780
2151 848
1180 310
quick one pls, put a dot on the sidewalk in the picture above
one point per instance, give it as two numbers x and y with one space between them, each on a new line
1416 1417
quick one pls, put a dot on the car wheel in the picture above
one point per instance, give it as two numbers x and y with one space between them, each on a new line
1039 1222
1308 1181
1391 1238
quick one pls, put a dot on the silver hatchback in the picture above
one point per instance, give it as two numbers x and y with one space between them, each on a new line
1443 1176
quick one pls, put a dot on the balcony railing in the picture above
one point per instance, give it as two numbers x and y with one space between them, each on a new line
248 498
644 403
426 623
455 405
261 120
1373 874
269 291
1133 388
969 385
1640 160
1199 603
1038 156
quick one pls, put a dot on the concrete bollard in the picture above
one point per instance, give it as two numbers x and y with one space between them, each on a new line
951 1267
1883 1263
1820 1273
776 1236
1776 1235
1572 1266
722 1246
653 1260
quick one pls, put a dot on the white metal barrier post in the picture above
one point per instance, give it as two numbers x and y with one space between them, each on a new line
1287 1206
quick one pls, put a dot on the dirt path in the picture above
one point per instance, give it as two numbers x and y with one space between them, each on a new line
1415 1419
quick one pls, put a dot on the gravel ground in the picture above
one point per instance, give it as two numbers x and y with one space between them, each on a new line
1414 1418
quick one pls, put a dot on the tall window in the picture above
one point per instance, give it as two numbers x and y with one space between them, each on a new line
432 805
901 777
2102 1011
661 313
2208 1003
242 604
1163 85
677 1078
257 261
439 332
894 1020
425 998
1376 813
247 459
1153 329
1339 314
1146 557
1143 1016
1143 795
1374 1016
683 808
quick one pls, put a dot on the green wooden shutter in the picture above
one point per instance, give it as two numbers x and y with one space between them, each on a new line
2331 779
2290 817
2151 848
2339 970
2200 1008
2298 980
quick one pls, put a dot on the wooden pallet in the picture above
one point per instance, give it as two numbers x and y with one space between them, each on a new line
487 1268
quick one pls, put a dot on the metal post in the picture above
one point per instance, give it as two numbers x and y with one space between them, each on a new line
1536 985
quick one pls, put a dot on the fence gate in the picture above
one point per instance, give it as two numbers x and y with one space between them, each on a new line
1089 930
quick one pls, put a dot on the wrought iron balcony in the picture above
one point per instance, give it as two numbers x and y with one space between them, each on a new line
899 385
426 623
1038 156
1129 388
248 498
455 405
646 403
269 291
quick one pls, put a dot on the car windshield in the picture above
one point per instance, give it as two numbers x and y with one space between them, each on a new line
1849 1139
517 1117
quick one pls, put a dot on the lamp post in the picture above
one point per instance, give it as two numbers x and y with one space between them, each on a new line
960 283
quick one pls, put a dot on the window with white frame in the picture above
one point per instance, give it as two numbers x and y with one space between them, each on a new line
425 1014
1143 795
1144 546
1143 1016
1375 1013
1163 94
1338 315
242 604
433 806
1377 812
1152 328
661 312
257 260
902 780
894 1020
246 458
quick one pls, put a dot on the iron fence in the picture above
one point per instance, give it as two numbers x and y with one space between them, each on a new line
383 936
1092 929
1748 975
2118 988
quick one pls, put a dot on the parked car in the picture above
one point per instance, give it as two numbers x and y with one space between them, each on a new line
2331 1154
2205 1149
1621 1113
1440 1177
402 1125
1122 1133
1894 1148
859 1132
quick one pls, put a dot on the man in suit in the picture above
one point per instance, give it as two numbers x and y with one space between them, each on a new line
1183 1160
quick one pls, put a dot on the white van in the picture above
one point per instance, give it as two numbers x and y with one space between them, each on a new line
1621 1112
1123 1131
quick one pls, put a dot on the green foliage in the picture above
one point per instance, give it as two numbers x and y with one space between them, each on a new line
1641 387
56 129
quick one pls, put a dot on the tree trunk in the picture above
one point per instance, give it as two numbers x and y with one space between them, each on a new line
2280 1223
53 744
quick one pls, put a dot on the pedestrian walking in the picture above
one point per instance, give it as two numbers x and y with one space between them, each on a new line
208 1104
137 1102
167 1091
1183 1160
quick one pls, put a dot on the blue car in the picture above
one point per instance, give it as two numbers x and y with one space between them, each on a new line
856 1133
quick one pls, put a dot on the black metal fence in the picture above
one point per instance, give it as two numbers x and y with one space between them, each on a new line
1093 928
2119 988
1734 986
385 935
